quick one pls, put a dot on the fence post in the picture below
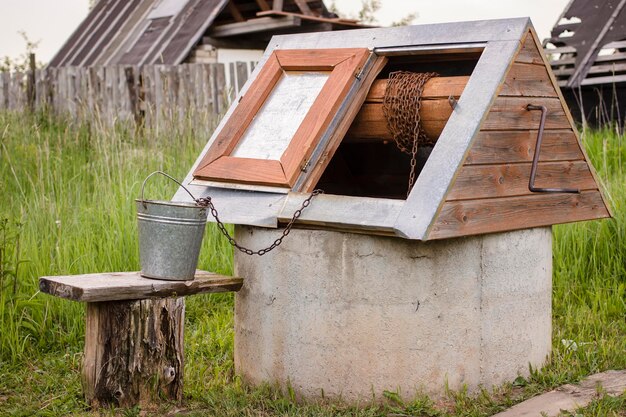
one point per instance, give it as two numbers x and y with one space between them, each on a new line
31 93
134 94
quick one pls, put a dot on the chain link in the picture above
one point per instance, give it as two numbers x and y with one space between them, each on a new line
401 106
207 202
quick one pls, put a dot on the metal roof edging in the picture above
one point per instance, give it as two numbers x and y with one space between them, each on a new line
437 177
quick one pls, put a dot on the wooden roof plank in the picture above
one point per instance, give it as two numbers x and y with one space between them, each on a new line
76 38
260 24
189 32
111 30
336 21
604 80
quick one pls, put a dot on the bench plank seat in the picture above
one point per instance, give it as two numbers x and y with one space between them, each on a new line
116 286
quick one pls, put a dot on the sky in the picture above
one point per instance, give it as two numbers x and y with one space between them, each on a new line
50 22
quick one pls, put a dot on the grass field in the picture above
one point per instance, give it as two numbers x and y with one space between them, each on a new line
67 208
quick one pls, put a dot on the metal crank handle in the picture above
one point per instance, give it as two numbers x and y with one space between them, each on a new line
533 169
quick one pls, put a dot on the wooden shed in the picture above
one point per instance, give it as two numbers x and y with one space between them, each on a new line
586 49
143 32
310 117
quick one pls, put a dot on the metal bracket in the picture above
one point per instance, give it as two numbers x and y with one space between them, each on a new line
359 74
452 101
533 169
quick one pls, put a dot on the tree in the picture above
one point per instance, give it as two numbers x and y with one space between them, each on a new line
22 62
369 9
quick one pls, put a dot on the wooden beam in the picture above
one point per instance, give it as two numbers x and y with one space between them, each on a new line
335 21
234 12
263 5
277 5
132 286
611 79
304 7
261 24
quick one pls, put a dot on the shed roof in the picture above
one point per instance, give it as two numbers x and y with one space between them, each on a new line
476 178
587 43
138 32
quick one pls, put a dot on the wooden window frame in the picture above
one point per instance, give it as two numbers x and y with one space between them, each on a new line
218 164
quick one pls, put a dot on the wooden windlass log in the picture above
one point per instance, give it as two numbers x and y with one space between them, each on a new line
370 123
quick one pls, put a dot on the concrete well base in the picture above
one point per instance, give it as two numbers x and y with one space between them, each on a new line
348 316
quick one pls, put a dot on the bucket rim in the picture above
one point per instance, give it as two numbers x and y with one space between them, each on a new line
169 203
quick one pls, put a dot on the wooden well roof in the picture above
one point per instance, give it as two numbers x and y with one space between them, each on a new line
138 32
476 179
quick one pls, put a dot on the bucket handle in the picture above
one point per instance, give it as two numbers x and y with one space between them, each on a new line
168 176
206 202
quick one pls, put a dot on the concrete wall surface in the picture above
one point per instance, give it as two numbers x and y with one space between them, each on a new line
348 316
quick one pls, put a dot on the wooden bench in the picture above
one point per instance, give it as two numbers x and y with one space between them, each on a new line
133 332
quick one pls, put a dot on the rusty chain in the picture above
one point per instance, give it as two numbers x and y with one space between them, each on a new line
401 106
207 202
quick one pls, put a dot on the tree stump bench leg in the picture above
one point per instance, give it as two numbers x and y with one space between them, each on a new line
134 332
134 351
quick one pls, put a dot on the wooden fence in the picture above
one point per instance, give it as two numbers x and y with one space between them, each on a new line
148 95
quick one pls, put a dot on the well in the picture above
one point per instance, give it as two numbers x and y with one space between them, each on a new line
375 289
347 315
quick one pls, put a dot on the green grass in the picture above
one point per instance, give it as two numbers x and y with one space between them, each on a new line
67 203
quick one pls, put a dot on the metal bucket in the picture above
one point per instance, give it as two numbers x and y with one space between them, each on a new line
170 236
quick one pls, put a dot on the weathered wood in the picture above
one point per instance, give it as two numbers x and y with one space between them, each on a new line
528 80
501 147
133 95
263 4
472 217
234 12
132 286
242 74
31 81
337 21
134 352
259 24
509 113
490 181
304 7
277 5
529 53
117 94
604 80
